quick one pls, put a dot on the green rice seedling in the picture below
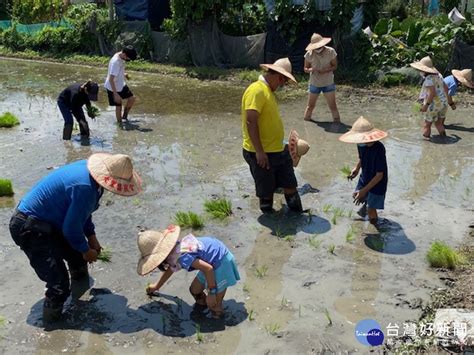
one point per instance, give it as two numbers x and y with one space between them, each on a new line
328 316
443 256
289 238
350 235
278 232
6 188
8 120
334 219
251 315
220 208
331 249
416 107
189 220
339 212
199 336
314 242
246 288
345 171
93 111
327 208
136 201
273 328
105 255
284 302
3 321
261 271
349 214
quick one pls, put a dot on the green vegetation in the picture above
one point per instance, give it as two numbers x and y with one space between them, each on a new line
289 238
328 316
327 208
251 315
8 120
93 111
345 171
442 256
261 271
6 188
350 235
220 208
314 242
272 329
105 255
189 220
199 336
331 249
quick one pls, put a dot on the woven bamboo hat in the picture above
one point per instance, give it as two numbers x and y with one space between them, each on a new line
425 65
297 147
317 41
154 247
464 77
363 131
115 173
282 66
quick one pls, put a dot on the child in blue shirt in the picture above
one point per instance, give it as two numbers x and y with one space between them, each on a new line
216 265
463 77
372 185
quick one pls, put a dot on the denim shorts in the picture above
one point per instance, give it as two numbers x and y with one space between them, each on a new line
321 89
375 201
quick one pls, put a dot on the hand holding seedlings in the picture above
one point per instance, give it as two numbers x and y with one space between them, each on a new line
359 197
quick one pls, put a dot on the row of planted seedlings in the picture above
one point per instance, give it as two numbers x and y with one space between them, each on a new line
7 120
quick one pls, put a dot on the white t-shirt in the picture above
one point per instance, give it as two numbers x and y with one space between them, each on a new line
117 69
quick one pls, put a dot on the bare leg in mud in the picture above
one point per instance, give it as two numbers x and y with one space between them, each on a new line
427 130
331 101
128 107
373 217
197 291
312 98
439 124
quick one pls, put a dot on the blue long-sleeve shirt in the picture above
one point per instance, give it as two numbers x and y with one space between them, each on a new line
66 199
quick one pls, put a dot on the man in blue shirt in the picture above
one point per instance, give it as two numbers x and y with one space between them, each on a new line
463 77
53 221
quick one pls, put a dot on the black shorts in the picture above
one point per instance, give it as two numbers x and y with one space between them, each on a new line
124 94
280 174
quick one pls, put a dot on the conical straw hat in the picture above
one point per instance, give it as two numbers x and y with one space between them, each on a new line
363 131
282 66
154 247
297 147
425 65
115 173
317 41
464 77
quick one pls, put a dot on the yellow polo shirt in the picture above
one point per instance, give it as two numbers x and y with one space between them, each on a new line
259 97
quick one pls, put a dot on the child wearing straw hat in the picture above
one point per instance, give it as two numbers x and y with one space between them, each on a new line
320 61
433 95
216 265
463 77
372 185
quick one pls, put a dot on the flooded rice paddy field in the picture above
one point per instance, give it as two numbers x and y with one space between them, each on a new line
299 273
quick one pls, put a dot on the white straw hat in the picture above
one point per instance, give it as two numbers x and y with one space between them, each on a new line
115 173
317 41
425 65
282 66
297 147
363 131
154 247
464 77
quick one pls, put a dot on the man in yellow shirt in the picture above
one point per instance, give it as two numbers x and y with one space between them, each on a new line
270 162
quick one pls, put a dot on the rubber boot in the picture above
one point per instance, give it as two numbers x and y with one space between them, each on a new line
293 202
52 311
79 273
266 205
67 132
84 128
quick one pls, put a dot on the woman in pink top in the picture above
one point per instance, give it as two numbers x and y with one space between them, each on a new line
320 62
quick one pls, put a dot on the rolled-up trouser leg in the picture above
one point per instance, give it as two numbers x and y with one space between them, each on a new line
67 131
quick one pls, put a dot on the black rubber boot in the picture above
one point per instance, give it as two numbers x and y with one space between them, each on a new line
52 312
84 128
293 202
79 273
67 132
266 205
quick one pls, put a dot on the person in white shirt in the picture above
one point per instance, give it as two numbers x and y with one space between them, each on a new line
117 89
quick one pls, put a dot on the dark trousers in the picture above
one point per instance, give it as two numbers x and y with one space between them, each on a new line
46 248
68 118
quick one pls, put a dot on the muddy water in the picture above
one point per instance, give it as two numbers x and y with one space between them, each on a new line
306 280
